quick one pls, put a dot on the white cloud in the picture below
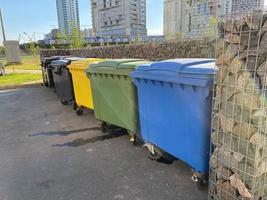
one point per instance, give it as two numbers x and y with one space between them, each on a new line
155 32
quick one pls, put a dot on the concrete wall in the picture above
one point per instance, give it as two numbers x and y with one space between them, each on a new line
150 51
12 51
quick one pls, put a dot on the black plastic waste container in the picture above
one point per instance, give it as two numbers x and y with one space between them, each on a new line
47 70
63 79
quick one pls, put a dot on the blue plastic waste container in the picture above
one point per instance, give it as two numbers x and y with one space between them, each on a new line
175 102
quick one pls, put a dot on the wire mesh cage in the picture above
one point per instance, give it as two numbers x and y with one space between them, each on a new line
238 163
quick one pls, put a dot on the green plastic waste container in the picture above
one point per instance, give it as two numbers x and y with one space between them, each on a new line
114 93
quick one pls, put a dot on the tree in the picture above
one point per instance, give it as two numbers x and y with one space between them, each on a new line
2 51
169 37
136 40
31 44
211 31
33 47
60 38
179 36
76 38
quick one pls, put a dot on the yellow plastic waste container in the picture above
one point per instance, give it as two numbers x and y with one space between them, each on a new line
81 84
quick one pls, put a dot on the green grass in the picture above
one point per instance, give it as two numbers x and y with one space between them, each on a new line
28 63
18 78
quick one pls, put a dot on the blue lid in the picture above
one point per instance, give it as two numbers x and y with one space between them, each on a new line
198 72
187 66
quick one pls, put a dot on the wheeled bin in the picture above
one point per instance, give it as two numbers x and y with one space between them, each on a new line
81 84
47 70
114 93
63 79
175 101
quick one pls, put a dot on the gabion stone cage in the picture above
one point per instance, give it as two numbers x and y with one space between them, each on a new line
238 163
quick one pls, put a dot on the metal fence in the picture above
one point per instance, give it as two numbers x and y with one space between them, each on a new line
238 163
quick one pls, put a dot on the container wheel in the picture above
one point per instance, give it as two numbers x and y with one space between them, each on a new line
104 127
200 180
201 184
79 111
132 138
154 153
135 139
64 102
75 106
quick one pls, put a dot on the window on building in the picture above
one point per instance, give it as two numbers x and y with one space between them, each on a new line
104 4
190 23
199 8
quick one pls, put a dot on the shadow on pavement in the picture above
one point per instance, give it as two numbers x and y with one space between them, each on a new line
64 133
80 141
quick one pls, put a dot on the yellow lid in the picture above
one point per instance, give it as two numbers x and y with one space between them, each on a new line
84 63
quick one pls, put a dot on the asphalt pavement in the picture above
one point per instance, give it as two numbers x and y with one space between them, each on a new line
49 153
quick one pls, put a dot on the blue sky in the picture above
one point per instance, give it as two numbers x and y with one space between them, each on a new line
39 16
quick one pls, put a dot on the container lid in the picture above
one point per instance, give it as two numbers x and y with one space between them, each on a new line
194 66
185 71
48 60
59 62
116 66
65 61
73 58
84 63
119 63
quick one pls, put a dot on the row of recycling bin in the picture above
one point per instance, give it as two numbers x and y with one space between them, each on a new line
165 104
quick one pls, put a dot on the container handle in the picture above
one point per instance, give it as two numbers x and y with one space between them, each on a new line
58 70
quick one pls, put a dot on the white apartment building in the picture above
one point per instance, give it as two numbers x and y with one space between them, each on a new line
246 5
224 7
173 17
189 18
68 16
119 20
199 14
195 18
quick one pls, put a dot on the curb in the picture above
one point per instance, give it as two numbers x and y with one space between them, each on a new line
30 85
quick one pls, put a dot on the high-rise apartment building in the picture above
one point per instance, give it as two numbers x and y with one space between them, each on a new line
119 19
173 17
68 16
197 18
246 5
224 7
188 18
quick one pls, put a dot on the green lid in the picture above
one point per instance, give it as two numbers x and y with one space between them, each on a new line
116 66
